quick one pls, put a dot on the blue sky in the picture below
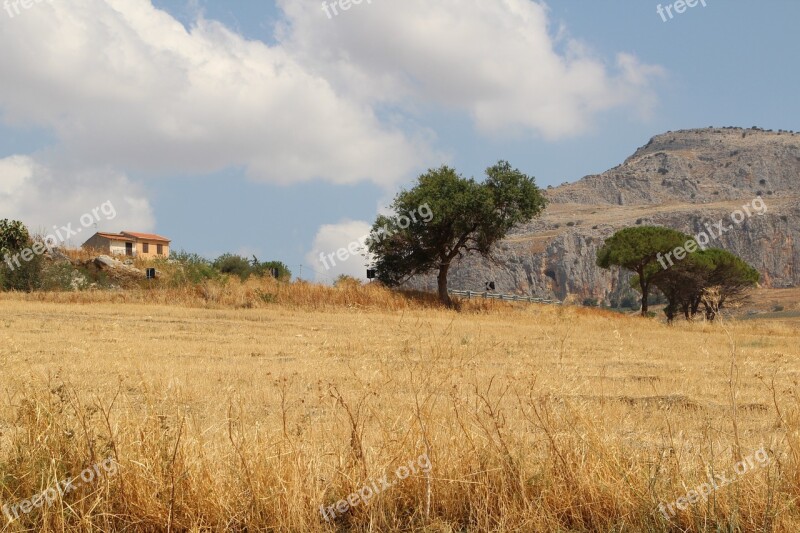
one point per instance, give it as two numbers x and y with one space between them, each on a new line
268 129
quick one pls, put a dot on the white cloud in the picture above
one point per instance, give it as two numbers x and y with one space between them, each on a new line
41 198
495 60
121 83
332 239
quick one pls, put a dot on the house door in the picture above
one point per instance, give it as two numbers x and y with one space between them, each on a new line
129 248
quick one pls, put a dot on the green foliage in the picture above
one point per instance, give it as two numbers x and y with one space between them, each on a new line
265 269
590 302
234 265
62 276
16 273
192 269
27 277
638 249
465 216
685 284
14 237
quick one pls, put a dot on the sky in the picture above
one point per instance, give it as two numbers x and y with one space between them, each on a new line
281 128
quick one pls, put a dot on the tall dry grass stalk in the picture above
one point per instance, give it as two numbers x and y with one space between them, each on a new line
227 412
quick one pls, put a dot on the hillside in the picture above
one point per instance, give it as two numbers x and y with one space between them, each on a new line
683 180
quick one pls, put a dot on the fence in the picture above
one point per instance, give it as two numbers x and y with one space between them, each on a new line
505 297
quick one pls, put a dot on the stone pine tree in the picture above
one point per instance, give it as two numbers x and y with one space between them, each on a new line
687 284
466 217
638 250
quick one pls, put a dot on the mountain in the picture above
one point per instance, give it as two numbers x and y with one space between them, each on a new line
688 180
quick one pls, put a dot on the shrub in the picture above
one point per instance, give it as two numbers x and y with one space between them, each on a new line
191 269
234 265
266 269
26 277
62 276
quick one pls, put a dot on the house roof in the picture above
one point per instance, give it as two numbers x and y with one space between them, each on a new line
146 236
127 235
111 235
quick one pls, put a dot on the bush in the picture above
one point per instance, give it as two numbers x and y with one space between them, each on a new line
191 269
62 276
234 265
590 302
26 277
266 269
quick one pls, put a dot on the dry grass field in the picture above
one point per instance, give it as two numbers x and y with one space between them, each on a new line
251 414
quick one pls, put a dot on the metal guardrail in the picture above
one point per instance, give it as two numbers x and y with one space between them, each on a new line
505 297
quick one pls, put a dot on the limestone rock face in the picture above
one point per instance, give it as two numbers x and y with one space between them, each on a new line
690 181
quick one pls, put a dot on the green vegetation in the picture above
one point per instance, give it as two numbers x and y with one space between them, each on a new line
710 278
467 216
19 273
637 250
243 268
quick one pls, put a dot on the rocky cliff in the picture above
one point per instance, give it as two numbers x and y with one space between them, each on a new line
688 180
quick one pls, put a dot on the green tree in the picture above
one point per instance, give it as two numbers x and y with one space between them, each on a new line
730 275
465 216
14 237
639 250
265 269
235 265
687 284
16 272
682 284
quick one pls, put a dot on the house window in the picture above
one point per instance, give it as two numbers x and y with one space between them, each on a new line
160 249
145 248
129 249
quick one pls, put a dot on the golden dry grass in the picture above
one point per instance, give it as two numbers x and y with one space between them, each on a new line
247 414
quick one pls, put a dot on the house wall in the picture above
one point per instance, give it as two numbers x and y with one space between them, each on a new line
153 249
116 247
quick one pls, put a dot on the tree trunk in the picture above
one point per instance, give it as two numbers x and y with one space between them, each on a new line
444 297
644 286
